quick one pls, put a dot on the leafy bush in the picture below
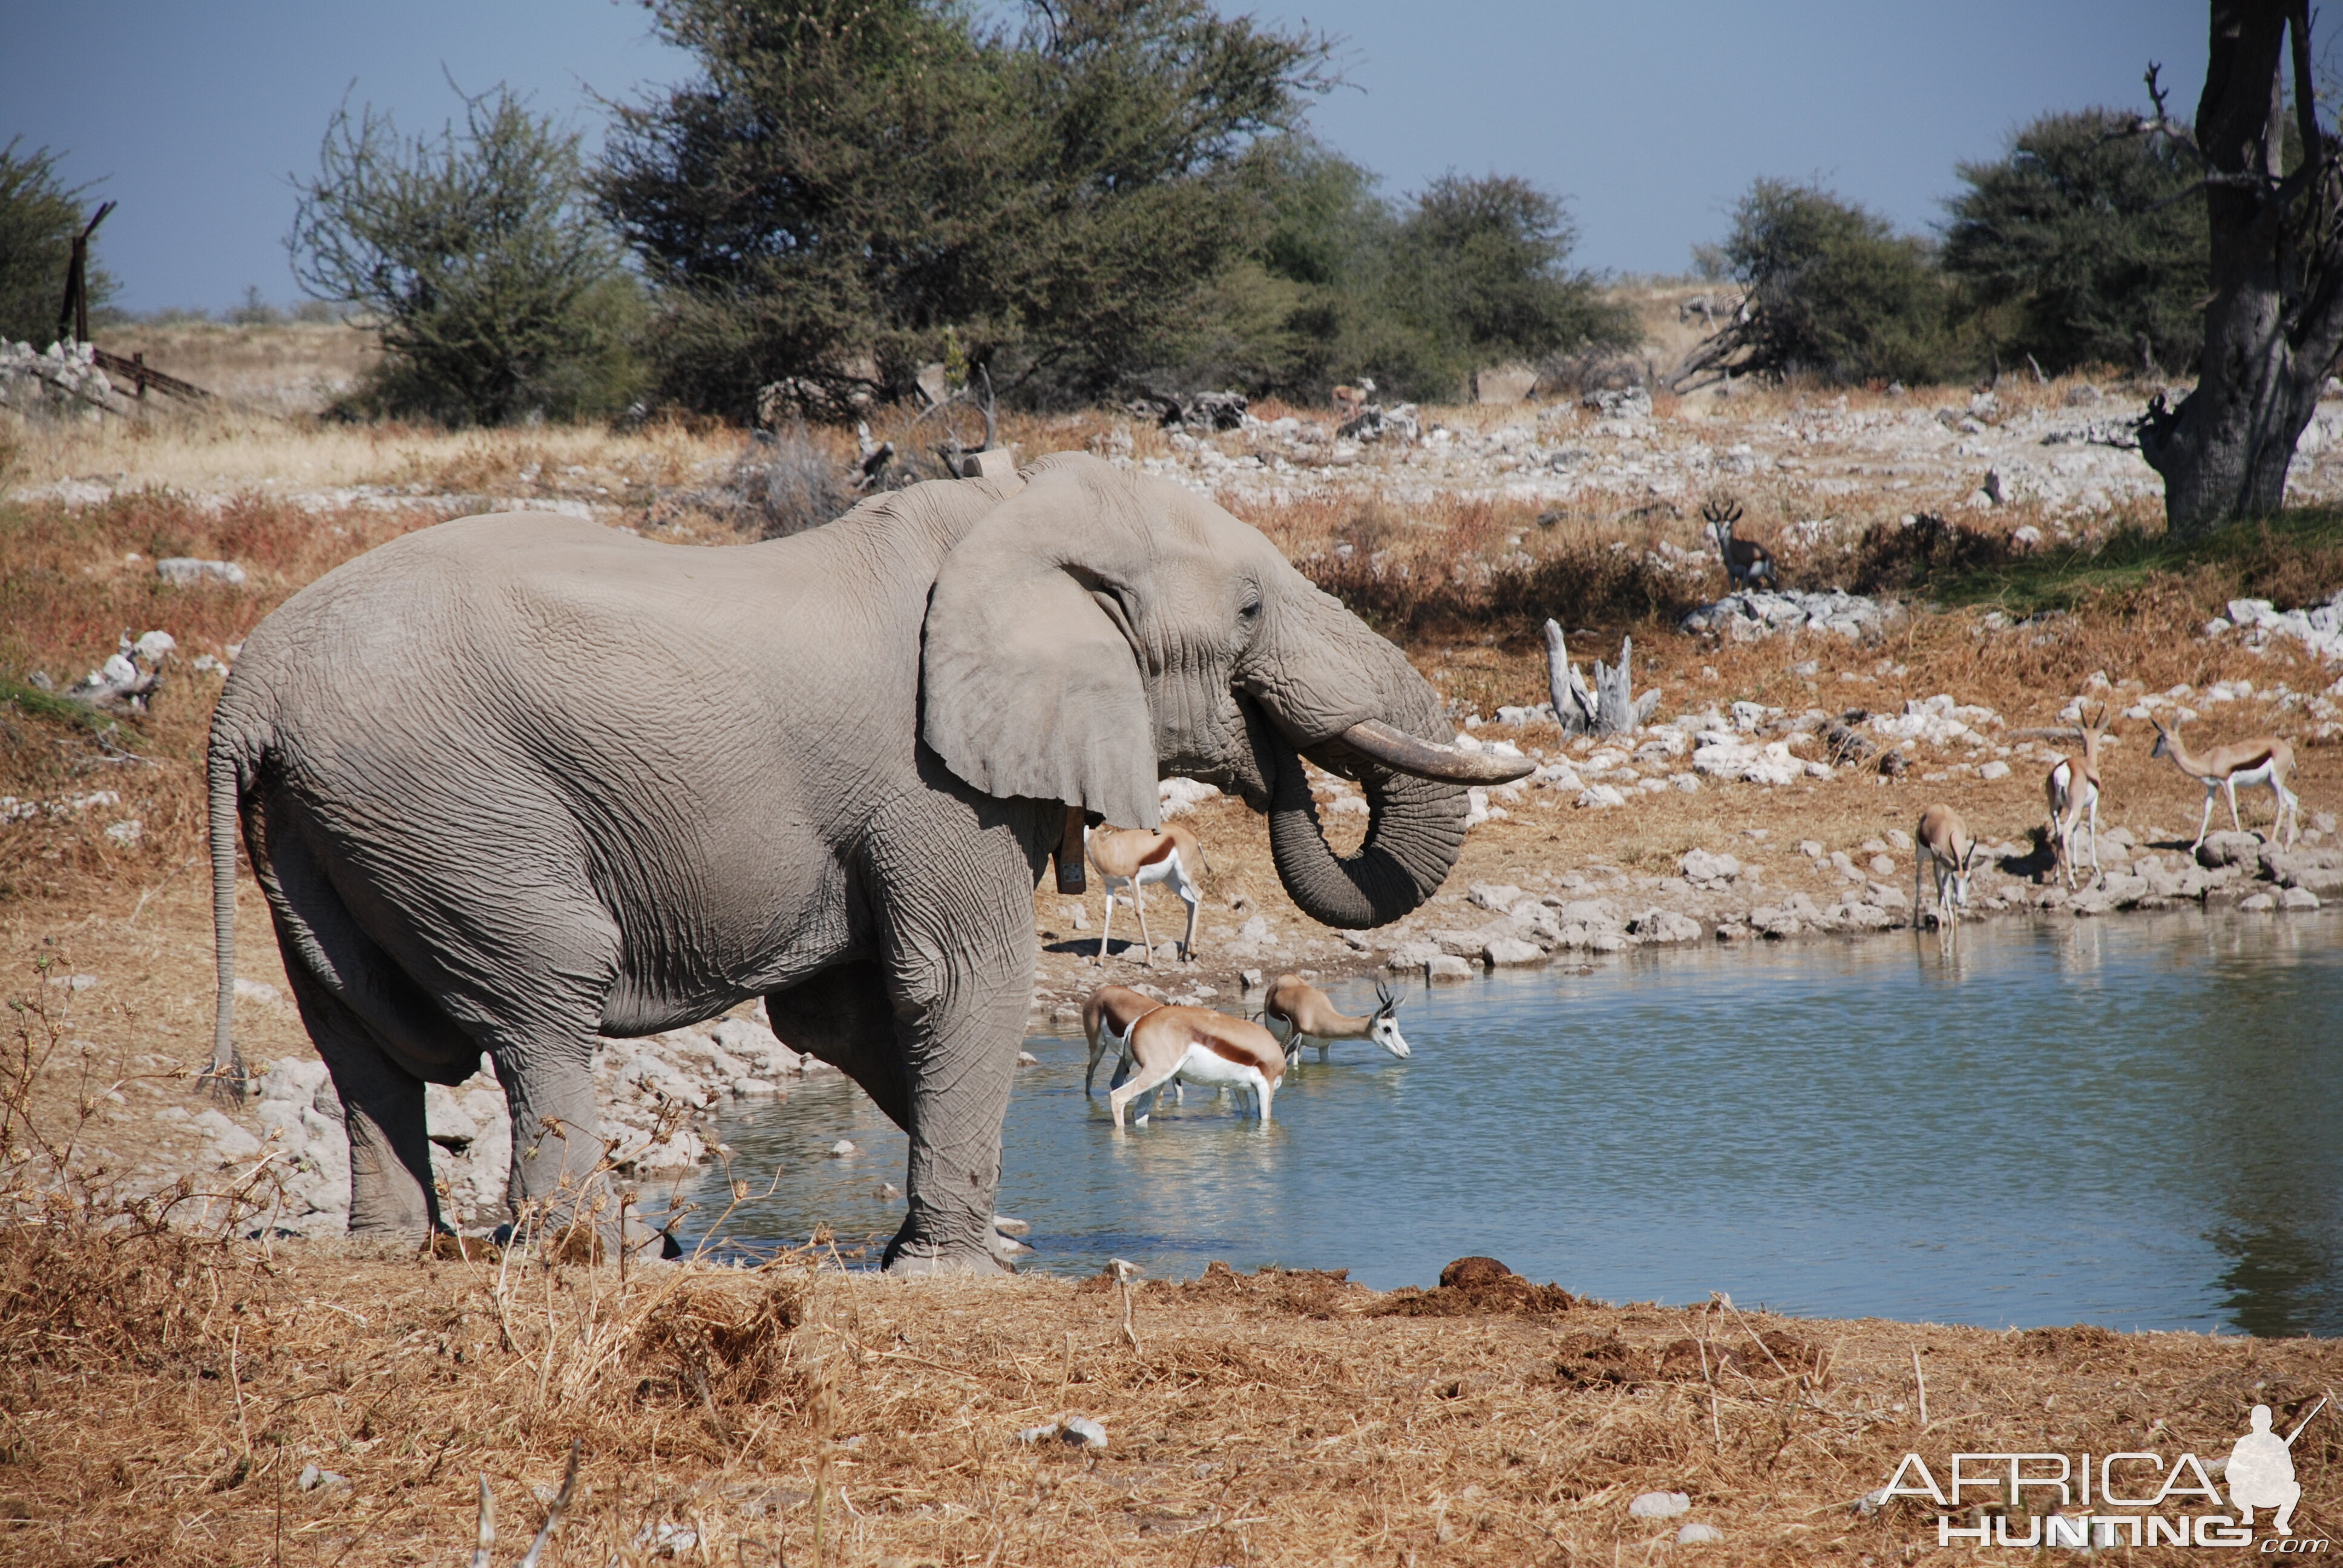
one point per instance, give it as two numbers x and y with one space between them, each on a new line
497 297
39 217
2083 241
1834 292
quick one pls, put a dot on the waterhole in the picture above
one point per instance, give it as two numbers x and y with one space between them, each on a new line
2135 1123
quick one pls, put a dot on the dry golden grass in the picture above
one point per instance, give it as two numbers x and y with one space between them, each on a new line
162 1394
291 367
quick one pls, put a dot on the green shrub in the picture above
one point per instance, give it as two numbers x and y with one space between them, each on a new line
1834 292
39 217
497 297
2083 241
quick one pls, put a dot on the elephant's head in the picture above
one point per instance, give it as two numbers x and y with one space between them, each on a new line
1098 630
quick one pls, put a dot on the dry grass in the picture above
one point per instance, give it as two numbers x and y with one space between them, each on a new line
161 1396
291 367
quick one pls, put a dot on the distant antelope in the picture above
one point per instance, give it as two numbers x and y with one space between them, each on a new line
1128 858
2073 790
1745 560
1349 400
1108 1014
1305 1009
1942 838
1203 1047
2264 760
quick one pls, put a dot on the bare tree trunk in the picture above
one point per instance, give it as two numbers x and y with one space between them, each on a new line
2275 322
1608 707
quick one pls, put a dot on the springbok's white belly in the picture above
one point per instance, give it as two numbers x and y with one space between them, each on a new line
1205 1065
2247 779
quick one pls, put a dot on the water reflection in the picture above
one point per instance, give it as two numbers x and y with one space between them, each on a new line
2129 1121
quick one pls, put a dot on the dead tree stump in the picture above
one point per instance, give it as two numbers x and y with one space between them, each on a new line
1609 704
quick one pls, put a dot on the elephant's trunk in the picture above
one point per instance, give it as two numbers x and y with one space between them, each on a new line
1415 827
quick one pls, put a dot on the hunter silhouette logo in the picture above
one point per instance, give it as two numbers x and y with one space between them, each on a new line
2129 1499
2261 1471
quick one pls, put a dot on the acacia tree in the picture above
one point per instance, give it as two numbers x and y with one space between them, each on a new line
2275 321
848 179
2081 241
496 292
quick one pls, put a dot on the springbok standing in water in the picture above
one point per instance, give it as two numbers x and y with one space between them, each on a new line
2264 760
2073 790
1305 1009
1942 838
1203 1047
1128 858
1108 1014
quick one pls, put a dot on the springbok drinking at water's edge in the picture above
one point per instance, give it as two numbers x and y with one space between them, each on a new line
1128 858
1942 838
2264 760
1108 1014
1203 1047
2072 790
1305 1009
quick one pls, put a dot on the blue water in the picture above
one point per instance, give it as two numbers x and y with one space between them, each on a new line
2136 1122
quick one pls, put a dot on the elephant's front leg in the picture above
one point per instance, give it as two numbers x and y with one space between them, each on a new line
956 907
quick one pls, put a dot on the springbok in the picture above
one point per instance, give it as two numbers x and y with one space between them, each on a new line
1942 838
1305 1009
1349 400
1203 1047
2073 790
1745 560
1128 858
2264 760
1108 1014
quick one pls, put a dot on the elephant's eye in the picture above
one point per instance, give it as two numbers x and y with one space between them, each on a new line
1250 612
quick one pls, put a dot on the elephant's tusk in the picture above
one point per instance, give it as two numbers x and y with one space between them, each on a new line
1373 737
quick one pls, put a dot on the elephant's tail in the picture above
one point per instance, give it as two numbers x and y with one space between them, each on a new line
227 1071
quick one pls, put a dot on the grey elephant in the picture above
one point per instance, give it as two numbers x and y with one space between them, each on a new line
517 781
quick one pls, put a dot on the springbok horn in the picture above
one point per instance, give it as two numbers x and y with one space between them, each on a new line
1373 737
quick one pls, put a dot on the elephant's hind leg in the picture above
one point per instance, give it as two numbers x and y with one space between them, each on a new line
391 1189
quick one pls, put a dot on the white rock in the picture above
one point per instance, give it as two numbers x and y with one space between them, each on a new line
185 571
1702 866
1181 797
1659 1505
1996 769
1598 796
843 1149
229 1141
1698 1534
1499 897
1442 967
1503 952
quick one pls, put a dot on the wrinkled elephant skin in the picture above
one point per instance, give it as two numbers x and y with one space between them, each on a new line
517 781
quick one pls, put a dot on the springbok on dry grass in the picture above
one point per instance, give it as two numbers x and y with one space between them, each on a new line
2264 760
1108 1014
1305 1009
1942 838
1128 858
1203 1047
1349 400
1745 560
2073 790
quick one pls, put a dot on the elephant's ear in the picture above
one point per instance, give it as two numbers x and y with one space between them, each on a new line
1027 686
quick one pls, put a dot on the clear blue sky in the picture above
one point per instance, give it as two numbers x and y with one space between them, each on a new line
1651 118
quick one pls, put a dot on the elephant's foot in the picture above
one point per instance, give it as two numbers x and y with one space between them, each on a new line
913 1258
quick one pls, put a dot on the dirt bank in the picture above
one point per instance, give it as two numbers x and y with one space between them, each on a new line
166 1401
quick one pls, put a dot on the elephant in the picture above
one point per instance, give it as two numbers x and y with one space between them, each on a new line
517 781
